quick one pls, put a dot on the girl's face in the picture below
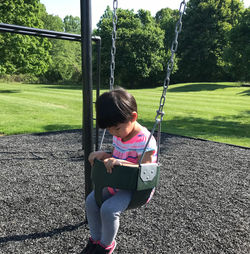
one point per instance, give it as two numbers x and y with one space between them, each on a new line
122 130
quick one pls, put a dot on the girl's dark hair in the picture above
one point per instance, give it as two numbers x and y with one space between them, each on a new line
115 107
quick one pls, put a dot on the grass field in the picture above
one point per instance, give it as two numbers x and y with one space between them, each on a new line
212 111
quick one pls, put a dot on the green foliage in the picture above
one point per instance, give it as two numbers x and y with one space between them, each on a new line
238 52
66 55
140 54
72 24
53 23
49 60
21 54
213 45
204 38
66 62
167 19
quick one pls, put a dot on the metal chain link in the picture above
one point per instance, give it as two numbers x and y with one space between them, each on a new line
113 52
113 48
170 66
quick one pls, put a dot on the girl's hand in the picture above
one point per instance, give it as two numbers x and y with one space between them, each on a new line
110 163
99 155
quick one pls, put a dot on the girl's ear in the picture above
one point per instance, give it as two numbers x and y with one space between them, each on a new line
134 116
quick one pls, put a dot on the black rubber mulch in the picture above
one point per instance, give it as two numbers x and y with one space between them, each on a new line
202 204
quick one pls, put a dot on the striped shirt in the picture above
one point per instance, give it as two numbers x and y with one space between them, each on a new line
130 150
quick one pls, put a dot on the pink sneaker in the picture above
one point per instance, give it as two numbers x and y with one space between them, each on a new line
101 249
90 248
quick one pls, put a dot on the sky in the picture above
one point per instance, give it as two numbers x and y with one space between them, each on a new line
63 8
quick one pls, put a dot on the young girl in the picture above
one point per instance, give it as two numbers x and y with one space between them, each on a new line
117 111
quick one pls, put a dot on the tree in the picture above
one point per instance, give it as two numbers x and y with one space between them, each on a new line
66 55
21 54
72 24
238 52
52 22
140 54
204 38
167 19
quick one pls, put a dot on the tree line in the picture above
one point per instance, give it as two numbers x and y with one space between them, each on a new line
213 45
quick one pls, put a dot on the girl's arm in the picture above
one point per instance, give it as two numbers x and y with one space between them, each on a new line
111 162
100 155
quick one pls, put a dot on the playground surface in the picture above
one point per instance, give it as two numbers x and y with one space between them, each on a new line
202 204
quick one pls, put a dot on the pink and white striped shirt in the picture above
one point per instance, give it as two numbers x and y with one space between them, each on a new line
130 150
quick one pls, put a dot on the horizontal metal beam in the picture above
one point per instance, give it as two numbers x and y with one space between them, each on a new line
42 32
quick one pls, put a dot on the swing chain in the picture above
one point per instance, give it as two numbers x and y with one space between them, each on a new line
113 48
170 66
113 52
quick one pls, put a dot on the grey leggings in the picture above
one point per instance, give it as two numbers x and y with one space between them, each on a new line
104 221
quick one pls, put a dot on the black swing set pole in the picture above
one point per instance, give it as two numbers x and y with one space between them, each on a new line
87 135
86 45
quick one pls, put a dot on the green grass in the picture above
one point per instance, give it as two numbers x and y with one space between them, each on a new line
212 111
38 108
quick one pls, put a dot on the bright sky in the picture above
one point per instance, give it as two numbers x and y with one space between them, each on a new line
72 7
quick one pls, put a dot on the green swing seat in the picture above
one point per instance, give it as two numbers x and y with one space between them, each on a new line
140 180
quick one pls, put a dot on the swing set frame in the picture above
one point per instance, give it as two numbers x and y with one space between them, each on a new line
87 88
